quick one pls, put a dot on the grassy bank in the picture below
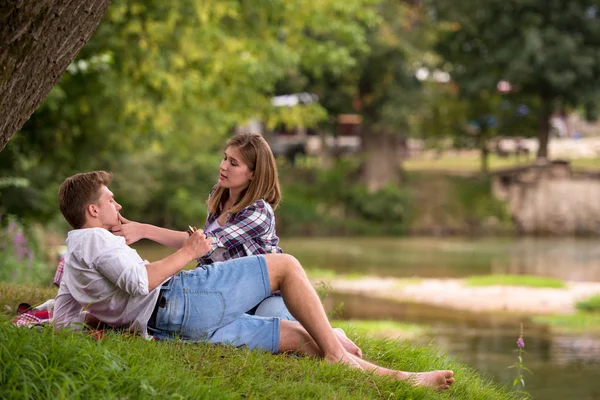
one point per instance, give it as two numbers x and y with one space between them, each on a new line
515 280
332 202
38 364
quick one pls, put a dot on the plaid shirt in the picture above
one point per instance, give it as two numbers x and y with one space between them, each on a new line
60 270
248 232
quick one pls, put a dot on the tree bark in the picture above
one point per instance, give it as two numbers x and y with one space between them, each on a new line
483 148
38 41
381 158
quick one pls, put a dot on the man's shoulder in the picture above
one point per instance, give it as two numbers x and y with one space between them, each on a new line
93 241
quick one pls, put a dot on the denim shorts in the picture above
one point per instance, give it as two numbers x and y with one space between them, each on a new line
209 304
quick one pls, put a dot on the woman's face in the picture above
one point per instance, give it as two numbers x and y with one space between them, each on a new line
233 172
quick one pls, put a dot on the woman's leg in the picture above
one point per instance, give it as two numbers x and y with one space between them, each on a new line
273 306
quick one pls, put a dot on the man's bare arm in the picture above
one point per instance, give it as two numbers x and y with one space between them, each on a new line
193 247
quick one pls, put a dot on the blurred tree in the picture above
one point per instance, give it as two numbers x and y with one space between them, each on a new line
382 87
165 83
545 51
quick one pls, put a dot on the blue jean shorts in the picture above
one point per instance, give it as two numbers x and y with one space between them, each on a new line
209 304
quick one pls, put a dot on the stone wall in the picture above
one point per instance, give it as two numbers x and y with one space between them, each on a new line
551 199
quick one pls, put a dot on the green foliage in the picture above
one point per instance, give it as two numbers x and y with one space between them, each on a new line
160 86
515 280
591 304
475 199
330 201
21 254
548 51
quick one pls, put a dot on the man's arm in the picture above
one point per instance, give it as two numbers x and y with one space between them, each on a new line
194 246
67 311
123 267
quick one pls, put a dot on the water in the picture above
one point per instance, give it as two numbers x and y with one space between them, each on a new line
564 366
568 259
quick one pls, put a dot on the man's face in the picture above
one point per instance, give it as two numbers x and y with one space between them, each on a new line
108 208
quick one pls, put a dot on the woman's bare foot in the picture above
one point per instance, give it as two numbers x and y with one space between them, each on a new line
439 380
347 343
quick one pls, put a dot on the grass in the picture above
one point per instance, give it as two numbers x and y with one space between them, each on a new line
515 280
471 162
591 305
461 163
40 364
388 329
578 323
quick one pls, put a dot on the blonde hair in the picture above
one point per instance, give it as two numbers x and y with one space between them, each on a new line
257 155
79 190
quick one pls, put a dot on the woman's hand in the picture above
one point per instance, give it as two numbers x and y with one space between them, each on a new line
130 230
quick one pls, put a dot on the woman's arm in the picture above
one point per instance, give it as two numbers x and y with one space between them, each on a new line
134 231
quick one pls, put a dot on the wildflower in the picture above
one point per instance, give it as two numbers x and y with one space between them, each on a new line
519 381
19 239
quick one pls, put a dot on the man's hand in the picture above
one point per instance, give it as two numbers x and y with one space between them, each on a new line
197 244
130 230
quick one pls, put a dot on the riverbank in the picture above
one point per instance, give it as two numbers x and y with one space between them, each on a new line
126 367
455 294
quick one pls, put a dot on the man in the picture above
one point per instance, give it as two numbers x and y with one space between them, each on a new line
106 280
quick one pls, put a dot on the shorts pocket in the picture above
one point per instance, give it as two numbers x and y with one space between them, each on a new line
204 312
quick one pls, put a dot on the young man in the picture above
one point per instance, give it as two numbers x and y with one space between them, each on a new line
106 280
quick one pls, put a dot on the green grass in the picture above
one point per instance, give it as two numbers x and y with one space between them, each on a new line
389 329
586 163
577 323
470 162
591 305
463 163
320 273
40 364
515 280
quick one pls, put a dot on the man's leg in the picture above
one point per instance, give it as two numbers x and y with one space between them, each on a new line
294 338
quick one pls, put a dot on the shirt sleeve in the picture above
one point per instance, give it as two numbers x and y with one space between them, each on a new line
67 311
250 223
125 270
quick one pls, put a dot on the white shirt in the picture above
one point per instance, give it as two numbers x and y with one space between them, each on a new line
106 278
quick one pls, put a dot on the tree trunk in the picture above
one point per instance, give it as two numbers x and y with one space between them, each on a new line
381 158
39 39
484 151
544 130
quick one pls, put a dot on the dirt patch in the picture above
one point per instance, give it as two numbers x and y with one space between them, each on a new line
454 294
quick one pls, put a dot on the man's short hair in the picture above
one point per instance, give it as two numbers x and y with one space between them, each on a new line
79 190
